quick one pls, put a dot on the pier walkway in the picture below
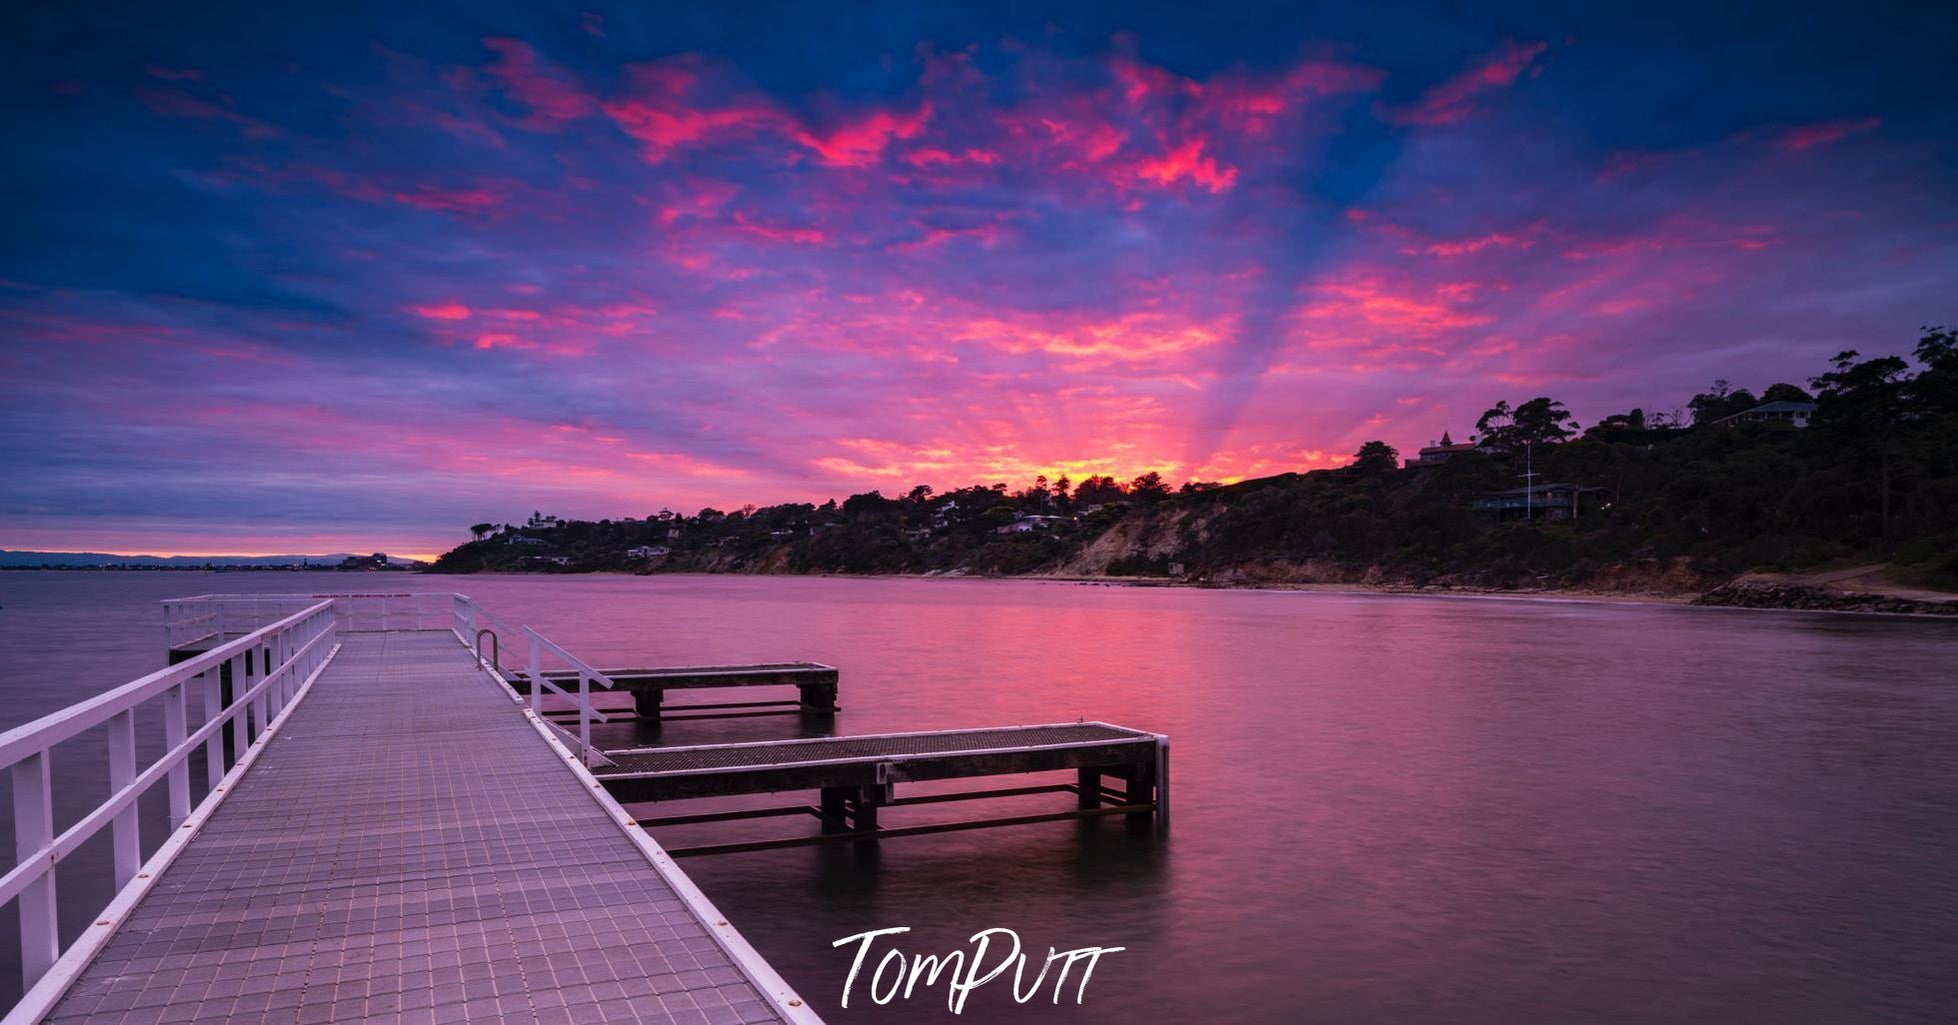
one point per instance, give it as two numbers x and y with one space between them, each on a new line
397 852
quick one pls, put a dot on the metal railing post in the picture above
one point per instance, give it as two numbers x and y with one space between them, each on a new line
262 655
536 676
122 772
584 710
40 934
240 683
213 707
280 653
175 728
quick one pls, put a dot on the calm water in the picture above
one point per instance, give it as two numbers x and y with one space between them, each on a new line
1388 809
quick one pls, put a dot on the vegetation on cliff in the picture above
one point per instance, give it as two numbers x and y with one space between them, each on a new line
1690 499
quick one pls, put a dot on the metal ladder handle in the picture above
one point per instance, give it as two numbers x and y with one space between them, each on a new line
496 648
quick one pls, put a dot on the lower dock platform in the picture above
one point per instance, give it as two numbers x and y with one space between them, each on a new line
857 776
815 685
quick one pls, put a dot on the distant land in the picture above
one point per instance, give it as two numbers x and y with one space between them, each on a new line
1845 498
105 560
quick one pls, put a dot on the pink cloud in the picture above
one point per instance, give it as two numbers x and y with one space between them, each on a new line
780 232
934 157
443 311
178 103
700 199
472 202
1471 246
1188 162
1826 133
930 236
1455 99
552 99
861 143
662 113
1352 310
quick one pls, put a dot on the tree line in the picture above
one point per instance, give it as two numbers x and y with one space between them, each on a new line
1875 476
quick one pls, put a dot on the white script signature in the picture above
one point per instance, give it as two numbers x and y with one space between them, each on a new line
896 975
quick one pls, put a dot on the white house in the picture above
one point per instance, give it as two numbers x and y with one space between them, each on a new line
1780 411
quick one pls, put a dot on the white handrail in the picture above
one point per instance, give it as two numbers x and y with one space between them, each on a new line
190 619
266 668
539 644
470 618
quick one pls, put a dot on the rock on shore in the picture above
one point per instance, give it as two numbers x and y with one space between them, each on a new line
1760 595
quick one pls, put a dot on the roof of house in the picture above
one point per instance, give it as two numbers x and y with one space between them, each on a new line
1777 406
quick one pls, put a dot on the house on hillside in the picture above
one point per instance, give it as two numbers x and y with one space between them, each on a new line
1438 452
1026 524
1544 502
648 552
1782 411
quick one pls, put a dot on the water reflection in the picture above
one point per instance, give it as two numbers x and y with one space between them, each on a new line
1387 809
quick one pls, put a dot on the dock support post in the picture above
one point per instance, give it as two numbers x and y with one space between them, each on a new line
863 817
816 698
647 704
835 809
1162 784
1087 783
1141 789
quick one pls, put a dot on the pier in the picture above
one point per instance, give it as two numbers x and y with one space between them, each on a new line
370 819
857 776
814 682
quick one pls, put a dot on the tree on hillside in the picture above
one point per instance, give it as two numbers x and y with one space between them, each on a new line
1376 457
1860 403
1782 391
1720 402
868 503
1630 421
1934 392
1543 421
1148 488
1096 489
482 530
1540 421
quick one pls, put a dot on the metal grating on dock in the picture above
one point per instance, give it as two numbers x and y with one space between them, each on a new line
409 850
736 756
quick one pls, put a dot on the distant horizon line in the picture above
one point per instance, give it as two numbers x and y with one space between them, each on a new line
403 556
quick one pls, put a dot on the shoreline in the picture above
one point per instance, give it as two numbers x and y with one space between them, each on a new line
1573 595
1759 592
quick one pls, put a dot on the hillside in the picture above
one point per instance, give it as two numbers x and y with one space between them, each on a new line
1671 508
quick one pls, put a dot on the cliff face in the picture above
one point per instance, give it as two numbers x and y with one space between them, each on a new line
1154 538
